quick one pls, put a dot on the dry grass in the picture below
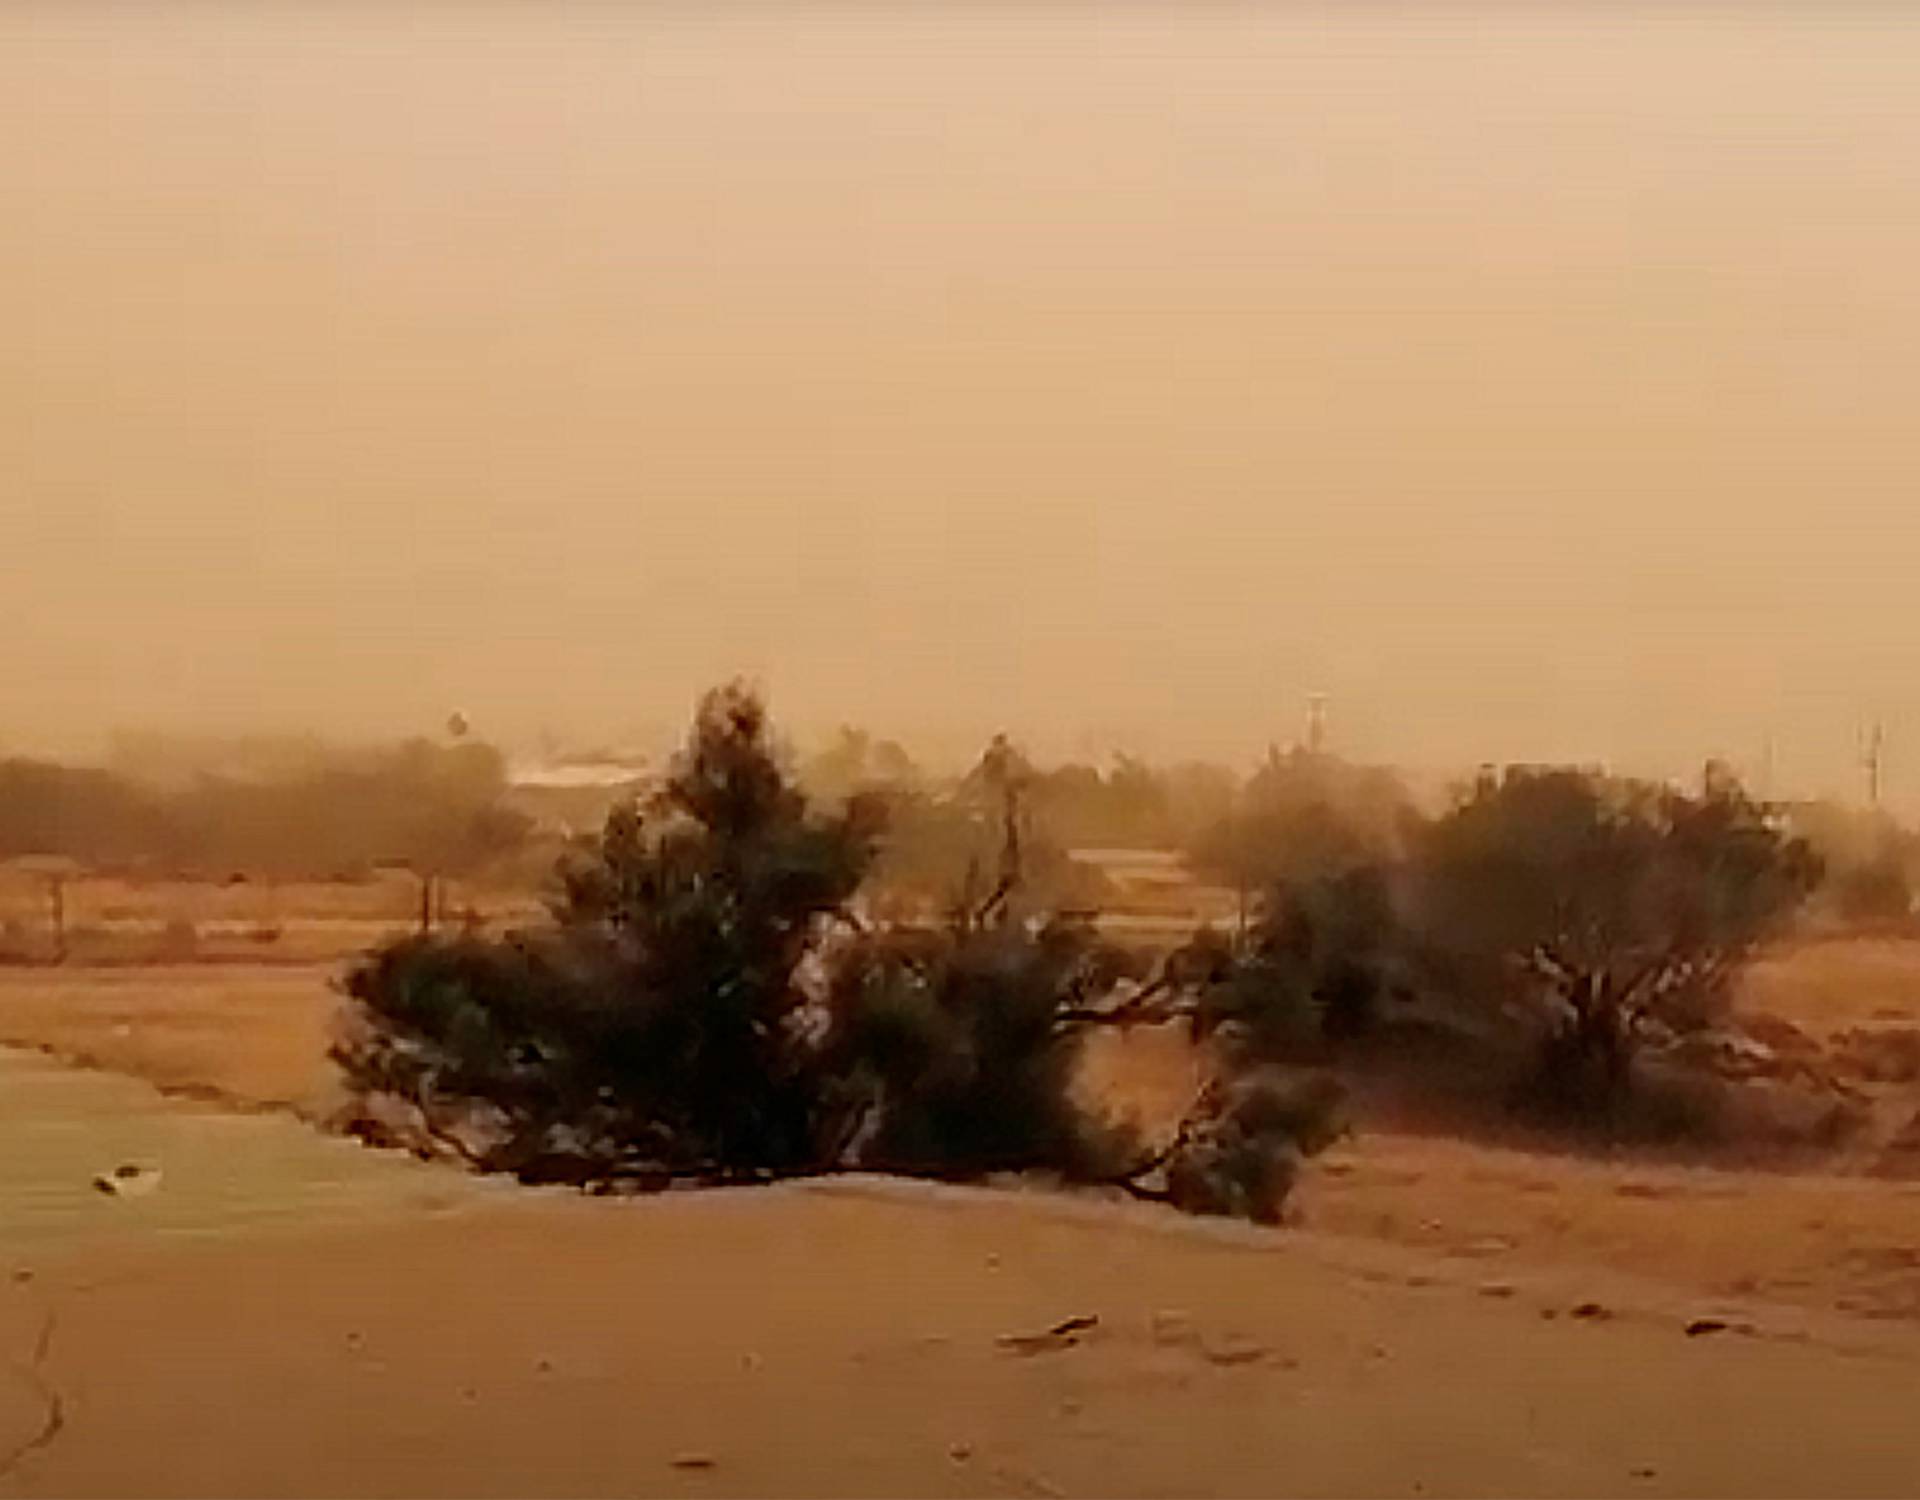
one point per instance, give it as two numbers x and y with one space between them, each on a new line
257 1035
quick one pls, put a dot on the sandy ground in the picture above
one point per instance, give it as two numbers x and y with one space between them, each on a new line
247 1034
849 1341
1415 1331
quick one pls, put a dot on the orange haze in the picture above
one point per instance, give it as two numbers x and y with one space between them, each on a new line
1537 381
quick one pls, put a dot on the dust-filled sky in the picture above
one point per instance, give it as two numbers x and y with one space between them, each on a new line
1537 381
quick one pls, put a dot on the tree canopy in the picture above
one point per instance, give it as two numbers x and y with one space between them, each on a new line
1604 907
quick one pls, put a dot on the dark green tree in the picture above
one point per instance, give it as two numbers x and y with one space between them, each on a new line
660 1023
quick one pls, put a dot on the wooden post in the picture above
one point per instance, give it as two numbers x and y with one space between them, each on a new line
57 909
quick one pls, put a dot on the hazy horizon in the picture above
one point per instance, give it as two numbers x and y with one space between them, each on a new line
1535 384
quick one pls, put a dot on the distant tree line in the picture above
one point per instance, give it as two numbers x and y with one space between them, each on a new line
436 807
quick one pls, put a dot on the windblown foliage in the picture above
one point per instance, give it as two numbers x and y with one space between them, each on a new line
1604 910
706 1004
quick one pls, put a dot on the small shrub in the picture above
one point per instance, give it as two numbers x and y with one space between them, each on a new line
1242 1153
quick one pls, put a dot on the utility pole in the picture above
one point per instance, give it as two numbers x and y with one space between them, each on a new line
1871 760
1316 723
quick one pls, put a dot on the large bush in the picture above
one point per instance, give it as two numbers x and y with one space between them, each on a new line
1602 911
1549 926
